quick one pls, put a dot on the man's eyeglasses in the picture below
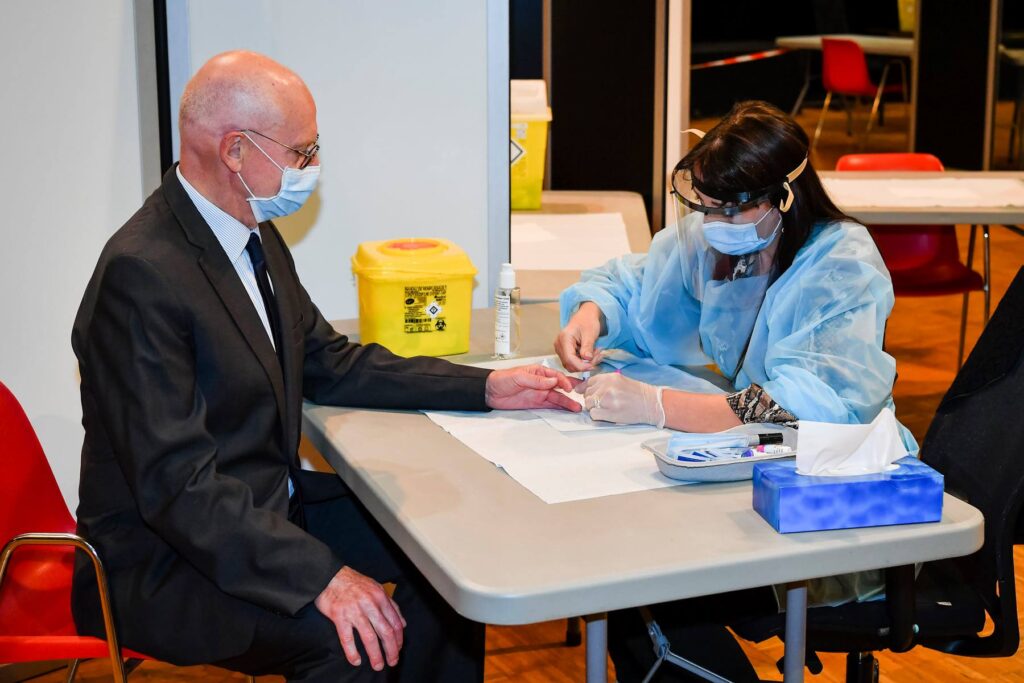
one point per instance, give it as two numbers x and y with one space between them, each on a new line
307 155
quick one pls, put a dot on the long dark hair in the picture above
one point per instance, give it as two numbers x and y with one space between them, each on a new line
754 147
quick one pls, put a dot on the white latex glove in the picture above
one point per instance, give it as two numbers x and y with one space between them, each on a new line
613 397
575 343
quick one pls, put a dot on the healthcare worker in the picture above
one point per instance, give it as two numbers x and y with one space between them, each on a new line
766 279
763 276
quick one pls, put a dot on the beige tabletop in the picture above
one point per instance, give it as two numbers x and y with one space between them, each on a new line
942 215
873 45
546 285
498 554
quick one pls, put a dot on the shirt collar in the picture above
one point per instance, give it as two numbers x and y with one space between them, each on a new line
231 233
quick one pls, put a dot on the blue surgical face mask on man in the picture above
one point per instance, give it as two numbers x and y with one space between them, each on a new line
736 239
296 186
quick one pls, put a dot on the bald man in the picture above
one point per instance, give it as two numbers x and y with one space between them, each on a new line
196 345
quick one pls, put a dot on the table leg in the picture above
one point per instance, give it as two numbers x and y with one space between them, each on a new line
796 632
1018 111
1016 229
597 648
798 105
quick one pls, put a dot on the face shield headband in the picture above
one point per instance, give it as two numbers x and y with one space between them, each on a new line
684 184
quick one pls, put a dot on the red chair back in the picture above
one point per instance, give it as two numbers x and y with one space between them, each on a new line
844 69
35 597
907 248
895 161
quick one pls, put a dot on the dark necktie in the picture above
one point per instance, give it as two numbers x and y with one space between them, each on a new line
259 267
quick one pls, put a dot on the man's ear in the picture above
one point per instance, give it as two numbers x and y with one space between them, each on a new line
231 151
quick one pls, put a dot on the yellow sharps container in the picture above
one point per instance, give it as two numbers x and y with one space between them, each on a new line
530 116
908 15
415 295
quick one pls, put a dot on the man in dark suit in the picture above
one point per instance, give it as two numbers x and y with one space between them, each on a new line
196 345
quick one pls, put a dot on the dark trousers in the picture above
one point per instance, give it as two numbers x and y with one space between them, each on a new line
439 644
696 630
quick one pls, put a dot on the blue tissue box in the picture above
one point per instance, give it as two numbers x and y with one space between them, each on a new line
792 502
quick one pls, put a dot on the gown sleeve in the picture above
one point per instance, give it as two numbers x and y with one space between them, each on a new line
828 364
646 299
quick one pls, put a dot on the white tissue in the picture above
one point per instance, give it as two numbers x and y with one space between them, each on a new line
838 450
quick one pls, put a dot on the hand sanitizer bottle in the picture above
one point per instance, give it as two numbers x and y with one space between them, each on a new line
506 314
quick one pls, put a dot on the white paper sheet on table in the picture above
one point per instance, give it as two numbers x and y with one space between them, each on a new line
558 466
634 367
566 241
642 369
563 421
925 192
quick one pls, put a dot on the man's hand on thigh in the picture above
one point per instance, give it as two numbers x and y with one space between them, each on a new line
357 603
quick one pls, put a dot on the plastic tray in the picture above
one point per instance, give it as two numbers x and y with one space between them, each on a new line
735 469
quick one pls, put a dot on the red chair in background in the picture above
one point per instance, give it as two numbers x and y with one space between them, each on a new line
844 70
35 582
924 260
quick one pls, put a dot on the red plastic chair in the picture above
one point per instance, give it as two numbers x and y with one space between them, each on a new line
844 70
35 582
924 260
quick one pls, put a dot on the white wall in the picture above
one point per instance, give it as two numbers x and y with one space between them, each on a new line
677 97
402 96
71 176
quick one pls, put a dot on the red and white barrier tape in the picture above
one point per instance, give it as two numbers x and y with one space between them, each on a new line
752 57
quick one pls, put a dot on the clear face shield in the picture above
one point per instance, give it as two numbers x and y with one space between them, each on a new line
752 231
688 200
731 280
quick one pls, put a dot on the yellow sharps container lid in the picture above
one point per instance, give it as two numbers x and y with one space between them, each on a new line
411 255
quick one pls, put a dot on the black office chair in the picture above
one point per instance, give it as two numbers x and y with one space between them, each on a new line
977 441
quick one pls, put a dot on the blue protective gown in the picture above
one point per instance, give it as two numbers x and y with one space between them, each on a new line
816 340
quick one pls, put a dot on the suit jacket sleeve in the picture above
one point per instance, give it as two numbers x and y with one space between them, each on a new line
139 354
342 373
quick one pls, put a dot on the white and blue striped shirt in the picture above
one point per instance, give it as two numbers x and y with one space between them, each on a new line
233 236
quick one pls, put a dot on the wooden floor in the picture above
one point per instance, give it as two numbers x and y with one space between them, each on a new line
922 335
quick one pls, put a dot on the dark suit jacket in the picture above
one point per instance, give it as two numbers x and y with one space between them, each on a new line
192 428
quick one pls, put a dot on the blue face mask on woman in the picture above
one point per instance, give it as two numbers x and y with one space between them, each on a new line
296 186
737 239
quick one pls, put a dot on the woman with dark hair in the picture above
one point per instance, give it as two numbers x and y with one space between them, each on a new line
763 276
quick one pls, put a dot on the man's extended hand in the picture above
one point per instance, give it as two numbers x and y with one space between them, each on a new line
530 386
356 602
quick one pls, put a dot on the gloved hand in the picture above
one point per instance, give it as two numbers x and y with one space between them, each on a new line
613 397
575 343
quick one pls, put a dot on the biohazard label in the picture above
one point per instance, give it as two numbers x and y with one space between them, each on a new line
515 152
424 309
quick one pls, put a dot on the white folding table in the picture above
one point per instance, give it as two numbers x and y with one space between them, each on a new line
941 212
892 46
889 46
500 555
546 285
